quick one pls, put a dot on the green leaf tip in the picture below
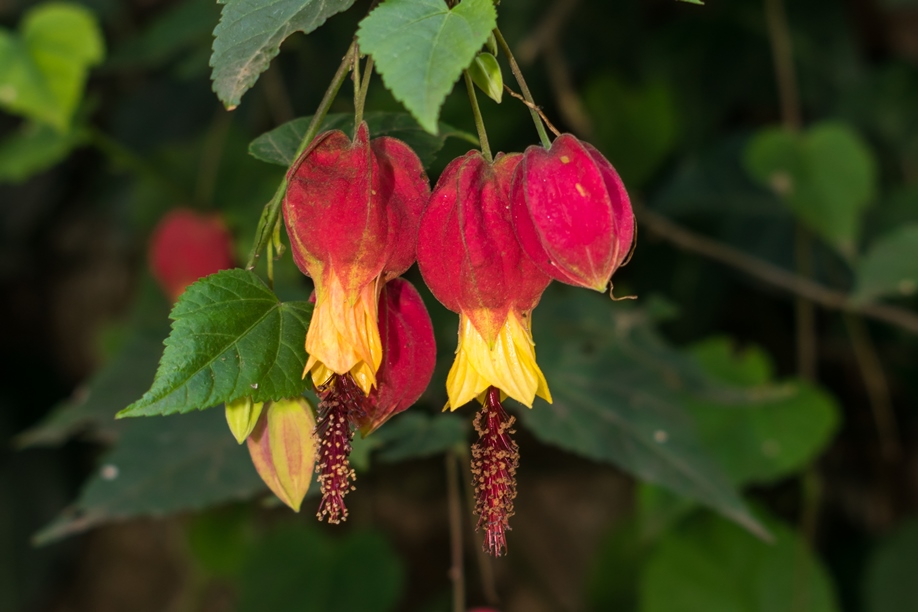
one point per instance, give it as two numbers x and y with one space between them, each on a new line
421 48
231 337
250 34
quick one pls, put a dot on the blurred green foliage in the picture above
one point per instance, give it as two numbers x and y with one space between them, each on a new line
108 113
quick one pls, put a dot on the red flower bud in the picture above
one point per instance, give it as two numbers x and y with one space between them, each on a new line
571 212
409 354
186 246
352 210
474 265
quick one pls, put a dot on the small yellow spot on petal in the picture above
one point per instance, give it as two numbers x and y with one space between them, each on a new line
565 159
580 190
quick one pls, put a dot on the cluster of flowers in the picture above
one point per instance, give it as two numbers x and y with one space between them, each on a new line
488 240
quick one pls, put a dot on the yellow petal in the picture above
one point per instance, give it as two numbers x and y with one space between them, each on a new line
343 335
509 365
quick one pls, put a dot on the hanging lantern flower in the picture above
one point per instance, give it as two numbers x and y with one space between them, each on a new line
473 264
571 213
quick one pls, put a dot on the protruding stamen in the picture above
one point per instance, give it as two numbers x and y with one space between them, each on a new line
341 402
495 458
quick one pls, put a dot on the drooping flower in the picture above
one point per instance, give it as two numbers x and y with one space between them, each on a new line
571 213
352 211
187 245
473 264
409 357
281 448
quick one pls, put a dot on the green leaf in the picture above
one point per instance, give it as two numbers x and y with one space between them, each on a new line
890 585
300 569
231 337
767 433
708 564
421 48
280 144
250 34
827 176
43 69
890 267
162 466
33 148
617 399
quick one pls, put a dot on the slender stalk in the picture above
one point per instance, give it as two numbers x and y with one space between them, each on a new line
877 387
805 310
270 249
271 212
485 561
773 275
456 570
527 95
479 122
355 77
361 101
782 51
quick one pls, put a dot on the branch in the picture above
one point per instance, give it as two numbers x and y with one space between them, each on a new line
774 275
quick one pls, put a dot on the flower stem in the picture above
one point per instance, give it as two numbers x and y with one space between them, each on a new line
527 95
361 100
271 211
479 122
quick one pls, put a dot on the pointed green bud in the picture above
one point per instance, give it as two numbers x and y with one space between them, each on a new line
282 447
485 73
492 44
241 416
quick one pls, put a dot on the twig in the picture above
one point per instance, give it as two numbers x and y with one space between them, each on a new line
547 30
774 275
804 310
877 387
783 54
533 107
570 106
456 570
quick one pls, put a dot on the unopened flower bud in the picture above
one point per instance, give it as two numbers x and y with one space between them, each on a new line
282 449
242 416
